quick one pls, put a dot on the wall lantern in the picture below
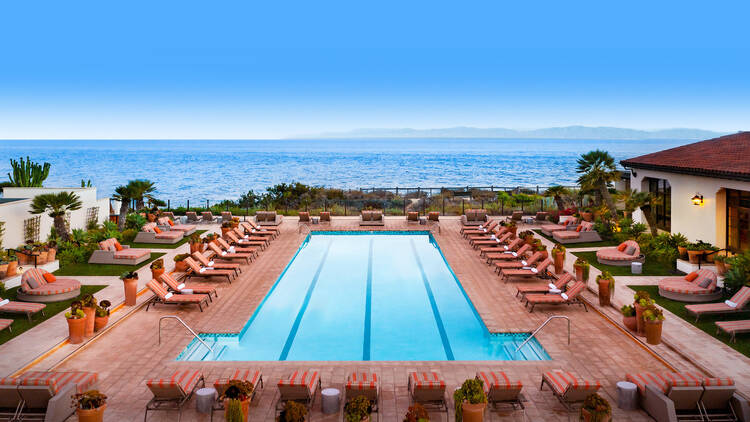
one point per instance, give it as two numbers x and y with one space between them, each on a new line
698 199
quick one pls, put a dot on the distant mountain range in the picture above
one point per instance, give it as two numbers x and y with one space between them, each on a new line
567 132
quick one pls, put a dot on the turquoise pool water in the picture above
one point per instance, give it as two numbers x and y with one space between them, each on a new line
352 296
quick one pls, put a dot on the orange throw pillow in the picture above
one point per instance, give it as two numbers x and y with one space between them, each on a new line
118 246
50 277
622 247
157 230
692 276
171 223
578 229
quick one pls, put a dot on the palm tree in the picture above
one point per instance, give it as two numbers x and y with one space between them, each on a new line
644 201
557 192
124 195
141 189
57 205
597 170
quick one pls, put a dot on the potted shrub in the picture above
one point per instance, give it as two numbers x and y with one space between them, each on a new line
102 315
237 397
157 268
51 251
711 253
642 300
720 261
226 227
90 406
3 264
89 309
76 322
679 240
211 237
558 255
293 412
628 317
512 227
587 215
417 413
653 318
470 401
540 247
606 288
694 251
130 283
582 268
527 236
235 222
12 266
179 262
195 242
41 253
596 409
358 409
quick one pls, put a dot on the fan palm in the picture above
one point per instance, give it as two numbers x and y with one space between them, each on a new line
124 195
557 193
597 170
141 189
56 205
645 201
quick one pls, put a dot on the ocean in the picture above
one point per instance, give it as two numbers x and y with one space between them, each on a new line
224 169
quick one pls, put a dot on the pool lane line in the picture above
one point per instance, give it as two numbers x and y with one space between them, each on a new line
301 313
433 304
368 305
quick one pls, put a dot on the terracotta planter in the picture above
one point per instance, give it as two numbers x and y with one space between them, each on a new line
51 254
587 417
131 291
245 408
579 272
76 328
529 240
653 331
559 260
683 252
604 293
100 322
639 318
180 266
545 254
196 247
12 269
720 267
157 273
90 316
42 258
694 256
473 412
224 231
587 216
513 230
91 415
3 270
630 323
709 258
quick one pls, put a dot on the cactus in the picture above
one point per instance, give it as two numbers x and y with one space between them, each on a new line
234 411
27 173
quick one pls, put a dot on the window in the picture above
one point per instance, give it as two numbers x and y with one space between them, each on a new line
663 208
738 220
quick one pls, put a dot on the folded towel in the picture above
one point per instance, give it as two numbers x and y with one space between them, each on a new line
168 295
223 253
493 237
181 286
555 291
209 268
210 263
202 270
186 291
730 303
504 246
252 231
247 237
508 252
484 230
552 286
231 249
564 296
534 270
525 268
4 302
514 254
524 263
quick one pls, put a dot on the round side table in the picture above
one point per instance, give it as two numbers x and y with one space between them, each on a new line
331 400
204 399
627 395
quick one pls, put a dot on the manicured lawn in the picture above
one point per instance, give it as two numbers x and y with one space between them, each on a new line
160 245
649 268
21 323
706 322
103 269
603 243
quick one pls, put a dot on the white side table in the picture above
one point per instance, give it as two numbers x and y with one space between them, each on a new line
204 399
636 267
331 400
627 395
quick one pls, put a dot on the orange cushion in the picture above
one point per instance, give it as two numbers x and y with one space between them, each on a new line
157 230
118 246
170 222
622 247
578 229
692 276
50 277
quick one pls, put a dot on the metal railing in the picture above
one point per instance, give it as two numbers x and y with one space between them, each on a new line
533 334
187 327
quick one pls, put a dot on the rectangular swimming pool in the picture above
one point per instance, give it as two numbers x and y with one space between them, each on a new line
366 296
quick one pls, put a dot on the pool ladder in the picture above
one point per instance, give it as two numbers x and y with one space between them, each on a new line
533 334
188 328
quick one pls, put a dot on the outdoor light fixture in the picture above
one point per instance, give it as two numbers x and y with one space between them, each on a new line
698 199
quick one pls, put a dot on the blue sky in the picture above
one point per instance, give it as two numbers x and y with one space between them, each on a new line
246 69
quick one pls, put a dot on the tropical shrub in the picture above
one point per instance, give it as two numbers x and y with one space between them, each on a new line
135 221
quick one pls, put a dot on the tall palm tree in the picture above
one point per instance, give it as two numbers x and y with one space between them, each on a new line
56 205
645 201
141 190
597 170
124 195
557 193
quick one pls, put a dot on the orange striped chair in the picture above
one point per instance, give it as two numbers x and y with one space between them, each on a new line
540 270
737 303
484 230
178 288
571 296
720 400
161 295
512 246
544 288
195 270
508 255
493 240
325 216
266 230
6 323
245 240
202 260
25 308
363 384
519 262
174 392
568 387
665 395
225 255
501 389
241 249
733 328
221 384
466 227
41 395
300 386
428 389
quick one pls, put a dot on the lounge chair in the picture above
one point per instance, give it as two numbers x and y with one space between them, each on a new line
698 286
363 384
268 218
202 260
482 231
720 401
493 240
516 216
371 218
42 395
231 256
325 217
571 296
548 229
622 255
25 308
584 232
111 252
207 217
169 215
301 387
168 223
541 216
161 295
6 323
540 270
508 255
265 236
192 217
478 226
733 328
542 288
568 387
304 217
412 217
433 216
245 242
518 263
226 216
428 389
195 270
474 217
514 244
737 303
670 395
236 248
499 388
255 376
38 285
174 392
182 288
151 233
249 226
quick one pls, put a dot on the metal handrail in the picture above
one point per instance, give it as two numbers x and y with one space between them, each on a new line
542 326
188 328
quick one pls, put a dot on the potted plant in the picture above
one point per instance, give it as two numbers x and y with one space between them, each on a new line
293 412
211 237
720 261
179 262
157 268
606 288
51 251
130 283
237 396
628 317
679 240
582 269
587 215
195 242
76 322
512 227
596 409
226 227
540 247
235 222
88 302
12 265
710 253
558 255
470 401
694 251
642 300
527 236
358 409
417 413
102 315
41 253
653 318
90 406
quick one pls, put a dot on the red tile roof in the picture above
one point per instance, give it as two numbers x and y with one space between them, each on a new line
726 157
